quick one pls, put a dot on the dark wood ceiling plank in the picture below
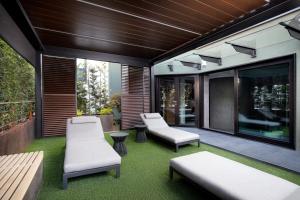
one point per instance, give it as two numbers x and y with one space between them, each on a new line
53 39
99 39
151 11
166 9
82 12
142 15
158 40
245 5
203 11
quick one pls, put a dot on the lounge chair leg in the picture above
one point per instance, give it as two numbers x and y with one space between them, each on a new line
65 181
171 171
117 171
198 143
176 148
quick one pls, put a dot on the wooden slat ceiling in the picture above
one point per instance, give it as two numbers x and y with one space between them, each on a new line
139 28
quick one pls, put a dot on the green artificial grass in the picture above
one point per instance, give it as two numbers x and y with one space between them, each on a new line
144 173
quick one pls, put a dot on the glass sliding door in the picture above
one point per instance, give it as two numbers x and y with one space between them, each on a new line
176 100
167 99
264 97
186 101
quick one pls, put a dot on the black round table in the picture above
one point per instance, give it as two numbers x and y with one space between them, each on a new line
140 133
119 146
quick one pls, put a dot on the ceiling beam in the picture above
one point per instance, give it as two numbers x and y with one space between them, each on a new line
94 55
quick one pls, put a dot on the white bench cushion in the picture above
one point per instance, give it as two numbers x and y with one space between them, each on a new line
86 155
84 131
232 180
174 135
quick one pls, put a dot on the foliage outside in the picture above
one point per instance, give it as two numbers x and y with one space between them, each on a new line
92 87
17 87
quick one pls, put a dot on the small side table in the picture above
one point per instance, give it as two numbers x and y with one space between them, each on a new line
119 146
140 133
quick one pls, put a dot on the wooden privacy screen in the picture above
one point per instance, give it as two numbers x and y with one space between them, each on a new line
59 94
135 97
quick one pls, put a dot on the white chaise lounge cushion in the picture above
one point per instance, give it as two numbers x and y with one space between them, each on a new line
152 115
174 135
84 119
232 180
84 131
155 121
157 126
80 156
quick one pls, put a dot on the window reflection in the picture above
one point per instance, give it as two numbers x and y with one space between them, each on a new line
264 102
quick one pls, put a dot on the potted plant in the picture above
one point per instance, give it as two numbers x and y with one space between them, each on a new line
106 118
115 104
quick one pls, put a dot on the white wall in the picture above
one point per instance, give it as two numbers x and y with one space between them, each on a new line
271 41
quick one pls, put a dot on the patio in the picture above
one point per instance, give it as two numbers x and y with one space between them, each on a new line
107 99
268 153
137 180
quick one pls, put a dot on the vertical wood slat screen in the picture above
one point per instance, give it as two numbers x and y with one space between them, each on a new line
135 97
59 94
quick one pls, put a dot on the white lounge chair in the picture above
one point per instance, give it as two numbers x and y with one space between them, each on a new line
229 179
157 126
87 151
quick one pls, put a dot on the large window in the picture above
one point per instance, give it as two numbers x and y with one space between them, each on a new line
264 102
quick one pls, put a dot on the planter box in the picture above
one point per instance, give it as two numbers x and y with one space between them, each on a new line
107 122
17 138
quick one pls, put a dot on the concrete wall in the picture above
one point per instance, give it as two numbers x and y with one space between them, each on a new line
114 70
271 41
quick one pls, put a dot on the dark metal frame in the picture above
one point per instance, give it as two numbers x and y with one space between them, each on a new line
292 77
176 82
177 145
69 175
85 54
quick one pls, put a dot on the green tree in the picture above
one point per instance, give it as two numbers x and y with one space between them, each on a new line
94 90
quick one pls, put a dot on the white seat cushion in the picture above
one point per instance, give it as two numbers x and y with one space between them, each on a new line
174 135
86 155
84 131
232 180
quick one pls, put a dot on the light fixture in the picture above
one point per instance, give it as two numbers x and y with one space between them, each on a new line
293 27
191 64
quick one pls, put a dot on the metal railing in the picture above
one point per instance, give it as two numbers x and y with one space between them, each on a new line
15 112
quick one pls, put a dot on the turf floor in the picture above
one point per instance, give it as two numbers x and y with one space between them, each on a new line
144 173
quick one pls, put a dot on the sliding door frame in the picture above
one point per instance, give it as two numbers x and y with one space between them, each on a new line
197 98
291 59
292 77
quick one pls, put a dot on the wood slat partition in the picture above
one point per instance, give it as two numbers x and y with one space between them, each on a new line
135 95
59 97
